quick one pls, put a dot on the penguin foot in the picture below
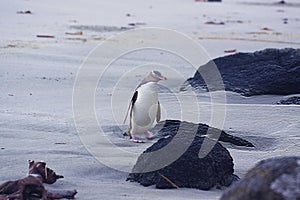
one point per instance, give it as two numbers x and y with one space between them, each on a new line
137 141
149 135
133 139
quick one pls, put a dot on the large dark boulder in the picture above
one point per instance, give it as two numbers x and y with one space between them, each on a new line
270 71
271 179
188 169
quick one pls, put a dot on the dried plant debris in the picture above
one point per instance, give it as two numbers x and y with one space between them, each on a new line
24 12
266 29
61 143
230 51
137 24
45 36
214 23
74 33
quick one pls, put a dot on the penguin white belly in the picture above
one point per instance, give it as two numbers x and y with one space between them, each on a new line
145 108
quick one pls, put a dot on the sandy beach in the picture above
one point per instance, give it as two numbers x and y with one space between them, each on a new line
41 52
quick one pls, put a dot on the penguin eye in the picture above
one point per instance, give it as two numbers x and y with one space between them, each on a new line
157 73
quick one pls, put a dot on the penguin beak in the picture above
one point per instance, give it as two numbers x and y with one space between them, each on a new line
163 78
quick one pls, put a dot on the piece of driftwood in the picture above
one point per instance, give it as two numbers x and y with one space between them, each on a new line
169 181
31 187
45 36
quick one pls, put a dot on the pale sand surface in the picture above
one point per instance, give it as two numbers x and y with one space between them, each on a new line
37 77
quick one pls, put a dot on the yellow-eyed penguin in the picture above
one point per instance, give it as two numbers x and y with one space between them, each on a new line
144 106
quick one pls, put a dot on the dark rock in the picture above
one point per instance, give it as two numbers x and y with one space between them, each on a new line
276 178
182 143
291 100
270 71
189 170
215 23
171 127
281 2
24 12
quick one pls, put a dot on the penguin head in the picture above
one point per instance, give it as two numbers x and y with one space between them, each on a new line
155 76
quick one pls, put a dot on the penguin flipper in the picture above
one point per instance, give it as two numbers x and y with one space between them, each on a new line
130 106
158 114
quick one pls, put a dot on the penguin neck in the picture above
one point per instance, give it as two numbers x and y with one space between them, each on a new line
151 85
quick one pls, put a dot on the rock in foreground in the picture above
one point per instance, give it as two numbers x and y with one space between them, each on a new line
190 171
277 178
271 71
